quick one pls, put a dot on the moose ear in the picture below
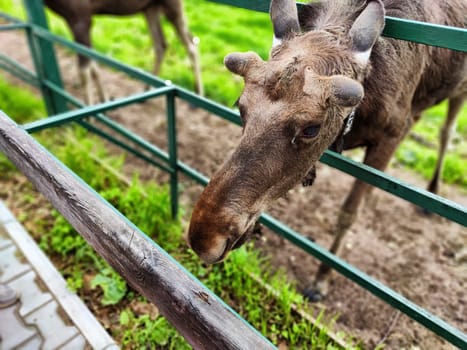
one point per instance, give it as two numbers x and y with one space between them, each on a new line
240 63
345 91
366 30
284 18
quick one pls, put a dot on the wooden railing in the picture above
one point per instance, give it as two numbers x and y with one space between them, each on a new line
204 320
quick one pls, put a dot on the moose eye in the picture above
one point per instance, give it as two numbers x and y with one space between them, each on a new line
311 131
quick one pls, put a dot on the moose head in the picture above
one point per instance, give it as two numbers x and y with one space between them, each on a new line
293 108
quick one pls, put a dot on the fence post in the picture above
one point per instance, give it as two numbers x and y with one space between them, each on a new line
173 157
44 58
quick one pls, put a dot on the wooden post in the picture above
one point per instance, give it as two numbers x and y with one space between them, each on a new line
201 317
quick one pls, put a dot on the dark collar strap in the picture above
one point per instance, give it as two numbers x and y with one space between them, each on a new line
349 122
338 144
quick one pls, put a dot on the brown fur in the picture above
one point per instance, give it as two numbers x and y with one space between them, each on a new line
312 81
78 14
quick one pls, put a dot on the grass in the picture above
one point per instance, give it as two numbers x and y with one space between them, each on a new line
26 107
148 206
422 159
224 29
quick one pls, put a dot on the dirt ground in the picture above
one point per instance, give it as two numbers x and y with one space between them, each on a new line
422 257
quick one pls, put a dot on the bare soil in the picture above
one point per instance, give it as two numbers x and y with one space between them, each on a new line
422 257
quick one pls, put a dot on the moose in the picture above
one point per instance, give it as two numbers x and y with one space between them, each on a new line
328 64
78 15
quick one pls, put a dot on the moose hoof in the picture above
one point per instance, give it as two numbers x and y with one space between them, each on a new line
317 291
313 294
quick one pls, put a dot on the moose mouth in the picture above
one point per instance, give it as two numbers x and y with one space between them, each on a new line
232 244
242 239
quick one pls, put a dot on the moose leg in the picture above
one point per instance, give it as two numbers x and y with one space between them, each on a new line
89 73
378 157
81 32
176 16
455 105
158 40
85 78
94 71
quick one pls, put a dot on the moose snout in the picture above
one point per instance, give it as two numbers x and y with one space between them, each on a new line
214 247
211 250
217 249
224 216
212 238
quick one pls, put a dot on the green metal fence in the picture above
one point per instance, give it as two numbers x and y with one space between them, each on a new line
47 78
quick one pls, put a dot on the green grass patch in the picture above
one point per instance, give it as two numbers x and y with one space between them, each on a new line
23 107
20 104
422 158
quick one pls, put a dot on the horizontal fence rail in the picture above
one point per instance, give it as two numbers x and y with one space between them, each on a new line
397 28
201 317
172 165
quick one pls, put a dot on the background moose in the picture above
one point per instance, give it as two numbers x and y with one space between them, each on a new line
78 15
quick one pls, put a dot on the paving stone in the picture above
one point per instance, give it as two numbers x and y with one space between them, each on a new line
5 214
5 241
35 322
32 344
52 327
11 264
13 331
111 347
77 343
31 296
84 320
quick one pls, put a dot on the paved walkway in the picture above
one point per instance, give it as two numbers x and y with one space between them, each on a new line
47 315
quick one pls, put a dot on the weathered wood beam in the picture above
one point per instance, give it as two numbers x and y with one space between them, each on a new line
202 318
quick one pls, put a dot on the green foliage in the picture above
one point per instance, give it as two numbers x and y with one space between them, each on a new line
74 150
62 239
423 159
112 284
142 332
153 215
20 105
11 7
5 166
